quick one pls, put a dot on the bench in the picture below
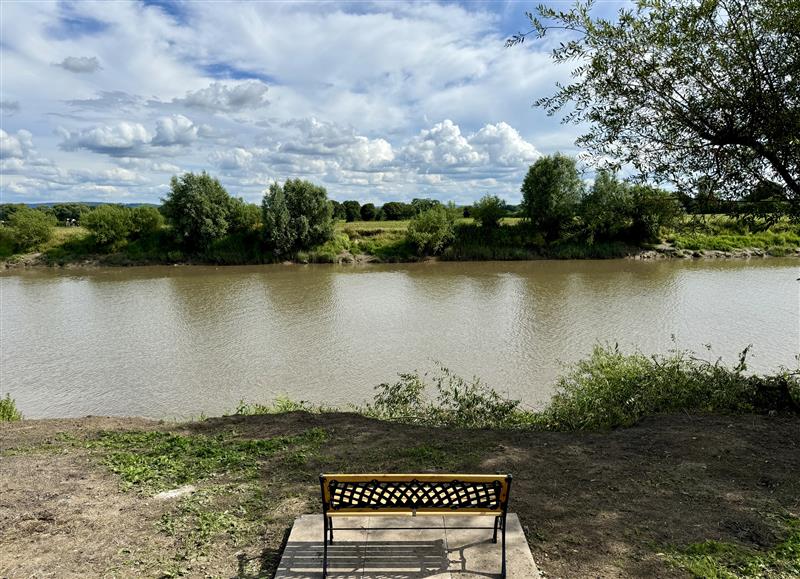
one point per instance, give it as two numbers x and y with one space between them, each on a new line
414 494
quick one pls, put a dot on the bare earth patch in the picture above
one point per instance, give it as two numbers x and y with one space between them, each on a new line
592 504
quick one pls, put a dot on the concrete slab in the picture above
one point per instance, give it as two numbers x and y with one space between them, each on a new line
431 547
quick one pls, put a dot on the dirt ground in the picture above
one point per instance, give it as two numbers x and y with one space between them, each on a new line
592 504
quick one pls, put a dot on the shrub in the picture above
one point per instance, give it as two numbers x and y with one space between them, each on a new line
551 193
110 225
488 211
8 410
459 402
652 210
198 208
67 211
611 389
606 210
431 230
145 221
32 228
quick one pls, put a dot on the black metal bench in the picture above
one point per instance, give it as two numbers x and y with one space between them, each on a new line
414 494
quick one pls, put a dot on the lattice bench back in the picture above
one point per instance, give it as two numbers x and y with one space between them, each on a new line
412 494
393 494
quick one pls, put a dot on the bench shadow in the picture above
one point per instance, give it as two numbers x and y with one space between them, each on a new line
373 560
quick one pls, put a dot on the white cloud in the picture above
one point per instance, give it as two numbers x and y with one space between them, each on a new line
80 64
504 146
118 139
16 146
175 130
233 159
223 98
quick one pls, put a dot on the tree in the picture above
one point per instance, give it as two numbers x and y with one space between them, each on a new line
369 212
352 210
686 89
488 211
551 193
277 221
68 211
397 211
110 225
432 230
297 216
244 217
606 210
198 208
421 205
651 209
338 210
32 228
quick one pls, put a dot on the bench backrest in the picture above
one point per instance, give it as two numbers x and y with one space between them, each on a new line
469 494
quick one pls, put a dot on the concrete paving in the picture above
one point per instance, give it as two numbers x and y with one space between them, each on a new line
443 547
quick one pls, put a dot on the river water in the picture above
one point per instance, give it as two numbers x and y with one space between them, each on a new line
175 342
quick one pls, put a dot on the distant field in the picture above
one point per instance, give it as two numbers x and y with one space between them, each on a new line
361 226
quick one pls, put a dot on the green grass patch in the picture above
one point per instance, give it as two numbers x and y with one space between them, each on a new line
8 410
779 242
717 560
154 461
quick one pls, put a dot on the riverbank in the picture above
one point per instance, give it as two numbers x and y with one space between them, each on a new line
84 497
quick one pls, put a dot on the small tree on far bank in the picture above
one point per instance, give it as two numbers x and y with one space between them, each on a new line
488 211
110 225
198 208
352 210
297 216
551 192
432 230
31 228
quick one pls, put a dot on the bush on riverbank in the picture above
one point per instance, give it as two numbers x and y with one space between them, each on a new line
8 410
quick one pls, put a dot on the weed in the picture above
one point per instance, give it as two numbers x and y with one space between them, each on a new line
8 410
716 560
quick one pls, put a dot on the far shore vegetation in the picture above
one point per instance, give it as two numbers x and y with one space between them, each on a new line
559 218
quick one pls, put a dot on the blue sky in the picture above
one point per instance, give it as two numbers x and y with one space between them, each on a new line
376 101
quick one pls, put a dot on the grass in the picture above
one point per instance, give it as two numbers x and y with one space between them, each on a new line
8 410
719 560
153 461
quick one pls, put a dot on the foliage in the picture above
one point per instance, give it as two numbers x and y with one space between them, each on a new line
431 230
31 228
110 225
198 209
8 209
551 193
69 211
280 405
8 410
422 205
397 211
338 210
606 210
163 460
685 90
297 216
652 209
488 211
611 389
459 402
145 221
369 212
717 560
352 210
244 217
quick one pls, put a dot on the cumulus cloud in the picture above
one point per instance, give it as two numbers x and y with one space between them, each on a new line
219 97
175 130
121 138
442 147
80 64
15 146
233 159
504 146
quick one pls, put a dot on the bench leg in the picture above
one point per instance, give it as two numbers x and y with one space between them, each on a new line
503 568
494 536
330 526
325 546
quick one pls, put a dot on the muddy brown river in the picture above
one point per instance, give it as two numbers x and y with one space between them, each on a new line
176 342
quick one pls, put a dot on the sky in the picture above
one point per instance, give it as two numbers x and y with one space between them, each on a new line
376 101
